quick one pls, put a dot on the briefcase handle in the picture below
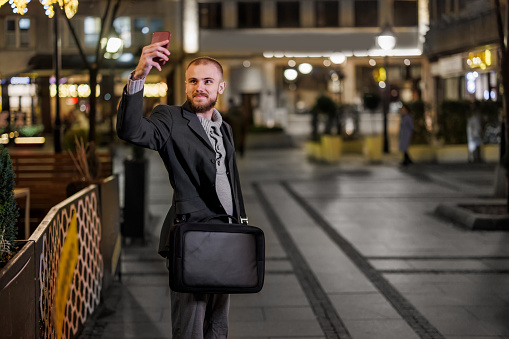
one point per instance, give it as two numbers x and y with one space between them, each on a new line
210 217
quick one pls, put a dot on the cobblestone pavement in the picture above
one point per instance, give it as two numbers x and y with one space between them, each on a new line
353 250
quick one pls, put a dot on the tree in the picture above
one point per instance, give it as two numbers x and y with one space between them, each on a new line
326 106
94 67
504 76
8 207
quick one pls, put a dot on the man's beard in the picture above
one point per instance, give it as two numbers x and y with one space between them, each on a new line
201 108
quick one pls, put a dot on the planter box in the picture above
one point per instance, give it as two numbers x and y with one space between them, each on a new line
331 148
422 153
313 150
111 243
352 146
490 153
452 153
18 295
373 148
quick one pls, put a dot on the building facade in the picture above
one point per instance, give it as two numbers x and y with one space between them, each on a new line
278 55
324 48
462 46
27 61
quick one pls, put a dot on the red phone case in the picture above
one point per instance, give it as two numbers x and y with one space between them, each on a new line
161 36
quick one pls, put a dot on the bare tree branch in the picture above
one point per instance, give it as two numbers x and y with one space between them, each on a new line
500 27
108 30
78 44
103 25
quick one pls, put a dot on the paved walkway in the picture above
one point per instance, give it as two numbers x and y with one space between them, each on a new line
353 250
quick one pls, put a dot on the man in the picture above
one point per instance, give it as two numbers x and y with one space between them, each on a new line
197 150
406 129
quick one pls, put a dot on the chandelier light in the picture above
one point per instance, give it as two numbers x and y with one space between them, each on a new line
70 7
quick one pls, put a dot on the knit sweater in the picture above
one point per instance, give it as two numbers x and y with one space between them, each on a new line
223 189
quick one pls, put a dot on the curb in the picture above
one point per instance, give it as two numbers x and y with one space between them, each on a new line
471 220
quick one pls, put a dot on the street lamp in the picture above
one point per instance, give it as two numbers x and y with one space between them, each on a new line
386 40
114 47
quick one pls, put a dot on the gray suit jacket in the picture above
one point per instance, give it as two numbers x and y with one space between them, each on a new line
177 134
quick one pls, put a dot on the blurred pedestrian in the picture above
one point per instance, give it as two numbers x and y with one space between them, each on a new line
235 117
474 136
406 129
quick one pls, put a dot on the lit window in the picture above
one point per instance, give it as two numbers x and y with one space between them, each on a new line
91 28
17 32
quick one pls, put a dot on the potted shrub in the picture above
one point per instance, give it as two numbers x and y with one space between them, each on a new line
17 267
351 141
87 164
313 148
420 147
330 143
8 208
452 124
491 129
326 147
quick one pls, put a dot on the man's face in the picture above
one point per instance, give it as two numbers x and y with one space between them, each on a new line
203 84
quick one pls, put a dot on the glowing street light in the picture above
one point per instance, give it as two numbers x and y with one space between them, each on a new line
305 68
337 58
386 39
114 47
290 74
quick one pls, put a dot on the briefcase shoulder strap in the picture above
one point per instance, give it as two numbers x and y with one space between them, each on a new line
242 210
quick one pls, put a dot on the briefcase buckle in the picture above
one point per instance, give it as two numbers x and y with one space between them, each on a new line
244 220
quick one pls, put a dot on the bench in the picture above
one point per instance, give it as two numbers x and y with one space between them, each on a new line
47 176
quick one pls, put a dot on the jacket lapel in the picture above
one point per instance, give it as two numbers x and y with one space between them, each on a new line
228 143
195 125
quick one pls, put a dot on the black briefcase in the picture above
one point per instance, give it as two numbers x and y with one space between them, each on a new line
212 257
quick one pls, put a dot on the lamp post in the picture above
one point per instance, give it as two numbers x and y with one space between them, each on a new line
386 41
114 48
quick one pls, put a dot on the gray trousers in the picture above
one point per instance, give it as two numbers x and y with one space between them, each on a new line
199 316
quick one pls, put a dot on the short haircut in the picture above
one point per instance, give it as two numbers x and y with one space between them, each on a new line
205 60
405 106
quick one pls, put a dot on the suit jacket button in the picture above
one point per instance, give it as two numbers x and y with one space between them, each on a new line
212 160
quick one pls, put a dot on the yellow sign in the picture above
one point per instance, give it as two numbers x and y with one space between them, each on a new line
67 264
480 60
379 74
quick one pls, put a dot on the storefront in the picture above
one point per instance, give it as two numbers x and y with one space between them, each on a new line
471 75
20 116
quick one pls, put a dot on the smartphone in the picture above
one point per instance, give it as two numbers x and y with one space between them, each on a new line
161 36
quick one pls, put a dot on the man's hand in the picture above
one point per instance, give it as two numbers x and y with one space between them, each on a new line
147 59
